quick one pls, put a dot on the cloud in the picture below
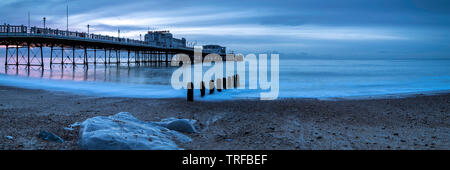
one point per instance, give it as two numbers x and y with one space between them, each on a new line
291 25
299 32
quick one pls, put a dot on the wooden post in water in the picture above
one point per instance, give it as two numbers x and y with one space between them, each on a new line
230 82
234 80
219 85
224 83
211 87
238 82
190 91
202 88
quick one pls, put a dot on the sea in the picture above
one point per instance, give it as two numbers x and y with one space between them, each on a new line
298 78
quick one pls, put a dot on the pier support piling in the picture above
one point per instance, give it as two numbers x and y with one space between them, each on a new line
6 57
167 56
85 60
105 56
117 56
73 56
62 55
42 57
95 56
28 55
128 61
51 56
17 55
109 57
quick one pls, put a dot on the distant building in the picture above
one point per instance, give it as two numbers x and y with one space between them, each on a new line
217 49
164 39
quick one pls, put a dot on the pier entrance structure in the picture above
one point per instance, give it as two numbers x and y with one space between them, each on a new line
25 47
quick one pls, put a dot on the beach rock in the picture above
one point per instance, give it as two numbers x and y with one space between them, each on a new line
72 126
125 132
180 125
48 136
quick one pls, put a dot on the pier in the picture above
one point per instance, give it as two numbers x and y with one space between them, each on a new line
25 47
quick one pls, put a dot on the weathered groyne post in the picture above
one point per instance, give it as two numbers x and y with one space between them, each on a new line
211 87
230 82
190 91
238 83
234 80
224 83
202 89
219 85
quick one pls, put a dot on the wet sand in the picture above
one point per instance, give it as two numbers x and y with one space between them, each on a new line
416 122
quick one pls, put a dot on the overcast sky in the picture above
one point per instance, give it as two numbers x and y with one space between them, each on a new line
336 28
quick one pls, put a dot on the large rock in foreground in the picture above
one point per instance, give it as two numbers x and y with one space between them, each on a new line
125 132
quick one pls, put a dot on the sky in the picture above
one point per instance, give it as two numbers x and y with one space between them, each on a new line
293 28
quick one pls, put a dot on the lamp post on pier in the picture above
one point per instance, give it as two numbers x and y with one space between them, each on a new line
44 22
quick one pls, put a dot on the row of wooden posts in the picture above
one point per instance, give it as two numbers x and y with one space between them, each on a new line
224 83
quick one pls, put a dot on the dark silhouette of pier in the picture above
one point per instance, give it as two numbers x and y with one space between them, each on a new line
25 47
